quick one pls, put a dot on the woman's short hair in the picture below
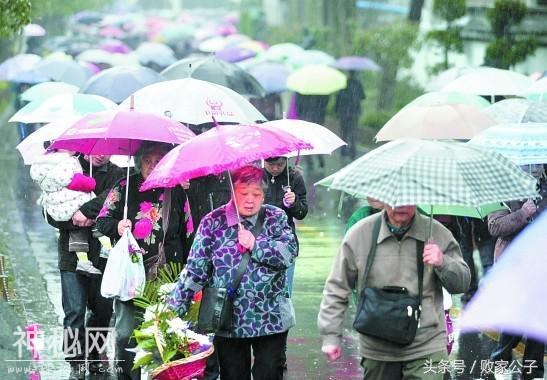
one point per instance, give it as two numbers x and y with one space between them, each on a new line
249 174
149 147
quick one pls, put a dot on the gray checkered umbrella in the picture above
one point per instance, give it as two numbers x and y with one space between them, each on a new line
412 171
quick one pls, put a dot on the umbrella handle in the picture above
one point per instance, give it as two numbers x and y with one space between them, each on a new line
126 189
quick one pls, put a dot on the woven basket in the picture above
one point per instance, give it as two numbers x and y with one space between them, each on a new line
189 368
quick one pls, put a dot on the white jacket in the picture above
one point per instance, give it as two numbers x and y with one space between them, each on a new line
53 172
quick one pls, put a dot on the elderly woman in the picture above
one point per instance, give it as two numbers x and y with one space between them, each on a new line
145 219
263 312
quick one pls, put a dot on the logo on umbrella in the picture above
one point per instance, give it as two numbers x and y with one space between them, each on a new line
216 108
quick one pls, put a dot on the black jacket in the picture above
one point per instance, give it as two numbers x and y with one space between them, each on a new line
176 249
206 194
275 193
106 177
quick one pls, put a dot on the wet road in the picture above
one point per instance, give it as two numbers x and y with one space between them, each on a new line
31 246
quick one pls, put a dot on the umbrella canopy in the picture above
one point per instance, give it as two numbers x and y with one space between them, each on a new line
421 172
439 98
228 148
61 106
120 82
445 77
438 122
310 57
356 63
32 147
479 212
234 53
323 140
316 80
120 132
214 70
537 91
272 76
282 52
34 30
518 111
524 144
523 262
112 45
157 53
196 102
18 64
44 90
489 81
61 71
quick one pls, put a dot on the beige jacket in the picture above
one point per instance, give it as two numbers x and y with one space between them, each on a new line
394 264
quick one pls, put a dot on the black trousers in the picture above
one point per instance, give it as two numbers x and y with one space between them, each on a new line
234 356
533 354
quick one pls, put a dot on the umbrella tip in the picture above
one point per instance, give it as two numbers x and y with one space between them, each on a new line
132 105
215 121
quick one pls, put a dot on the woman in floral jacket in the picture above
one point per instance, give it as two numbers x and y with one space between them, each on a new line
144 218
263 312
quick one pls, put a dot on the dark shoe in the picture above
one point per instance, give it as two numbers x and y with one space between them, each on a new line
77 371
97 363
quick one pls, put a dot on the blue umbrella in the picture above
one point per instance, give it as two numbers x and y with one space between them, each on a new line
512 296
271 75
57 70
118 83
524 144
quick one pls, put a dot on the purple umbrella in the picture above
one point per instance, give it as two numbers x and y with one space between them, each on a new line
235 54
113 45
356 63
271 75
512 298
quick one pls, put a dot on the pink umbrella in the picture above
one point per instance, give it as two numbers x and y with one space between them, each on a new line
120 132
224 147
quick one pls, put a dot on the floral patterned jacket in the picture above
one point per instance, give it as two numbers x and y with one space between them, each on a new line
144 209
262 305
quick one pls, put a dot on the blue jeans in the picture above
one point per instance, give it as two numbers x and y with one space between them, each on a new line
80 294
126 322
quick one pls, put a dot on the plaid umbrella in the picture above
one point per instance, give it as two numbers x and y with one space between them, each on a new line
412 172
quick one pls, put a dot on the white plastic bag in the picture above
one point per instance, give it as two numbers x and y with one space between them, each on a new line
124 275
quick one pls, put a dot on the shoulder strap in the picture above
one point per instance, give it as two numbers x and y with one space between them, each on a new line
372 253
246 255
165 211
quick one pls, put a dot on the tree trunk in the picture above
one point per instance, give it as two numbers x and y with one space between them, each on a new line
388 80
415 11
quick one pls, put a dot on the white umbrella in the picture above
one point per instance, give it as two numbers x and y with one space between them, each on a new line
193 101
537 90
442 79
323 140
32 147
490 81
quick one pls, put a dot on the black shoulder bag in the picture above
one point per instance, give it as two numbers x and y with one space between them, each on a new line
389 313
217 304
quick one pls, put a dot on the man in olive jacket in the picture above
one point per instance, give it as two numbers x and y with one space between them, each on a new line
81 293
395 265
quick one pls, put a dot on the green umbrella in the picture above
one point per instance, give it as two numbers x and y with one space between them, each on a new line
479 212
44 90
421 172
316 80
